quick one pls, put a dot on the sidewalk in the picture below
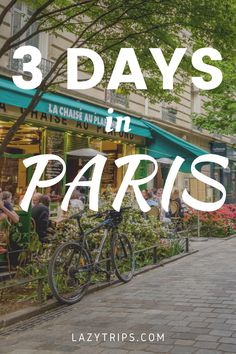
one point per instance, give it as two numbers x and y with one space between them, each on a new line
192 301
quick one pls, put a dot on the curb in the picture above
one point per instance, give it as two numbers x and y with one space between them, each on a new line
229 237
203 239
28 313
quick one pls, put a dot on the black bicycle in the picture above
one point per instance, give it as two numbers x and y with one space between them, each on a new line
71 267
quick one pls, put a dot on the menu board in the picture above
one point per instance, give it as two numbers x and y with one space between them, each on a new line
54 145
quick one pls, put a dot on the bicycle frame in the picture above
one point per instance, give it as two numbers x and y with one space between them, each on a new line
76 284
107 224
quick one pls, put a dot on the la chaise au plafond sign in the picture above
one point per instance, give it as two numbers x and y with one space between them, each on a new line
126 56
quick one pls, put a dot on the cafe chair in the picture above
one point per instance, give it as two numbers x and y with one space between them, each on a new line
4 250
154 211
174 208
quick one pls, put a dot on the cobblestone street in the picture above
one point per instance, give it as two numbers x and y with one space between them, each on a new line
192 301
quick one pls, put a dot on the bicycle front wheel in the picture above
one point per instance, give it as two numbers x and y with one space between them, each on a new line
122 257
69 272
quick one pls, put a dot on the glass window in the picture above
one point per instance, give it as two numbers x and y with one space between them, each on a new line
13 174
19 16
169 114
74 163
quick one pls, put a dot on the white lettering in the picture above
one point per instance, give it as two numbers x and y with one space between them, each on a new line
99 162
41 161
216 74
72 68
133 161
168 71
127 56
196 204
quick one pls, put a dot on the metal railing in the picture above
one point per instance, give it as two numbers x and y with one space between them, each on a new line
114 97
16 65
40 279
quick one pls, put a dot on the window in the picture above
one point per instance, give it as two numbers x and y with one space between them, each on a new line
117 97
195 104
20 13
169 113
195 100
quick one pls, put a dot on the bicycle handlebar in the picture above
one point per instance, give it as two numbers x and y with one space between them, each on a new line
107 212
100 214
75 216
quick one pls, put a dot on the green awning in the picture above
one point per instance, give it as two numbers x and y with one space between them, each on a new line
165 144
65 107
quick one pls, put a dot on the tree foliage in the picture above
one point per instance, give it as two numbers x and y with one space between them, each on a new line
220 107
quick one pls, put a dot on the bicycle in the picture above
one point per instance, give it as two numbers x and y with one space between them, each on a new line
70 267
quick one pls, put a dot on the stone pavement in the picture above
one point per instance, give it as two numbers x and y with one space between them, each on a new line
192 301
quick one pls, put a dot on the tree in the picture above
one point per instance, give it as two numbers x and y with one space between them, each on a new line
220 107
108 25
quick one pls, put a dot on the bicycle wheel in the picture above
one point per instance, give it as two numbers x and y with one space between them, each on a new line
122 257
69 272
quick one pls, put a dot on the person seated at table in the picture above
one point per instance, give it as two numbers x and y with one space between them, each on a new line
159 194
6 214
36 198
6 208
154 193
176 208
151 200
75 201
164 216
155 207
144 194
40 214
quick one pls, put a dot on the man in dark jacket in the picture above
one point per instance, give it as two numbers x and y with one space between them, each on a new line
40 214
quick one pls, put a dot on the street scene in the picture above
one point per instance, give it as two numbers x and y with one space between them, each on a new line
117 176
192 301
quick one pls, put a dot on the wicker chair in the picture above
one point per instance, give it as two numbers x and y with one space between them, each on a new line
4 241
174 208
154 211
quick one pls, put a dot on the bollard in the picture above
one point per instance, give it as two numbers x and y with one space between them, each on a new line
155 255
40 291
108 267
187 245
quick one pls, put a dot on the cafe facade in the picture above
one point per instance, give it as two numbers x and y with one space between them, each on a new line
60 124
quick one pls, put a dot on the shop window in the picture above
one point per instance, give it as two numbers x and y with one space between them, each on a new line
110 170
76 142
20 14
111 175
25 141
74 163
95 144
13 174
129 149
